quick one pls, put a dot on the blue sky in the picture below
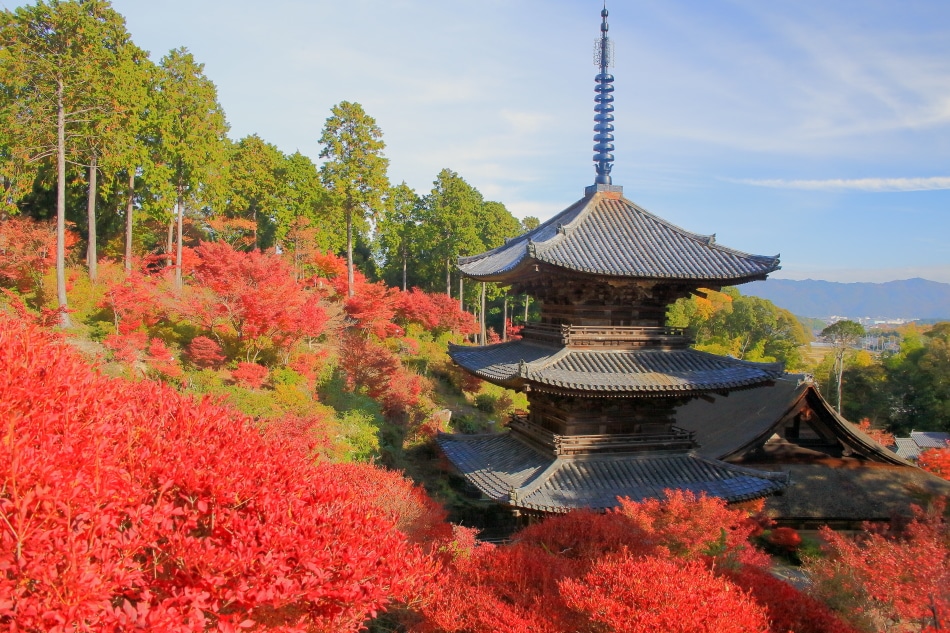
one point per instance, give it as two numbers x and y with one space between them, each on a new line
818 129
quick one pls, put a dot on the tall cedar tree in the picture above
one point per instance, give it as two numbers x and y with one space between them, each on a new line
355 168
451 221
56 60
192 132
397 231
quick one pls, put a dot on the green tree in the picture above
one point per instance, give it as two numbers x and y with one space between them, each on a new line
56 62
450 213
842 335
397 232
529 223
257 176
305 202
192 131
355 169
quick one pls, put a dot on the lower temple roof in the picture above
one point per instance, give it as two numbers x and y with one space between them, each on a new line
647 371
508 470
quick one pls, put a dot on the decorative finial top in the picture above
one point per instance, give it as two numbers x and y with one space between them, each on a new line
603 104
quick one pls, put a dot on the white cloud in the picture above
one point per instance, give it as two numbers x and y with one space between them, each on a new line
856 184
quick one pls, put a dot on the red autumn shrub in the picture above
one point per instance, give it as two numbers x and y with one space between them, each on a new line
785 538
373 310
420 518
251 298
161 360
368 363
788 609
205 352
936 461
127 348
903 571
690 526
628 594
27 250
132 507
878 435
133 300
249 375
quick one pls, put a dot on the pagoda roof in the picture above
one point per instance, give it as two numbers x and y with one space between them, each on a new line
606 234
508 470
516 364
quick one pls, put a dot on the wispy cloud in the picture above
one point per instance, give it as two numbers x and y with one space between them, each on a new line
856 184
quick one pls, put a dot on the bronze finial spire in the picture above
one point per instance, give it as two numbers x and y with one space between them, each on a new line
603 119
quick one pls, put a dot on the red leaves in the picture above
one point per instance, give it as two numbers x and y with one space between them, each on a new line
629 594
679 564
785 538
905 575
368 363
27 249
936 461
253 298
250 375
129 505
205 352
881 437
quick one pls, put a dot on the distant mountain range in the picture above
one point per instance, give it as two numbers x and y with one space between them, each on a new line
907 299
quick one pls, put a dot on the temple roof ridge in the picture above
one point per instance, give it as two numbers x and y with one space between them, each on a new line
607 234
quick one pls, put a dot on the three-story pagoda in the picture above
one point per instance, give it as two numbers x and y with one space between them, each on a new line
604 376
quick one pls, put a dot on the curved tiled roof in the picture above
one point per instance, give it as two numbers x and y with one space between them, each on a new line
644 371
507 470
608 235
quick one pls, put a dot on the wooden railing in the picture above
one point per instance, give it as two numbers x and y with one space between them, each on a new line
567 445
606 336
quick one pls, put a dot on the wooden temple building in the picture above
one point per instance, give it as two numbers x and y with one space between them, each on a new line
619 404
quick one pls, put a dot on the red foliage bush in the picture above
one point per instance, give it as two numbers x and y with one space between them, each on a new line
249 375
129 507
126 348
785 538
252 297
367 363
27 250
436 311
133 299
903 571
630 594
205 352
936 461
787 608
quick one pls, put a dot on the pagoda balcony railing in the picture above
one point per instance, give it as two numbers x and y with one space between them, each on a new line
612 336
676 439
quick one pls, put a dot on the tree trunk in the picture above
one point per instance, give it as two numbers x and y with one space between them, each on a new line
180 214
481 317
91 258
254 218
61 205
504 319
170 242
461 293
130 205
405 266
349 249
527 302
840 372
448 277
